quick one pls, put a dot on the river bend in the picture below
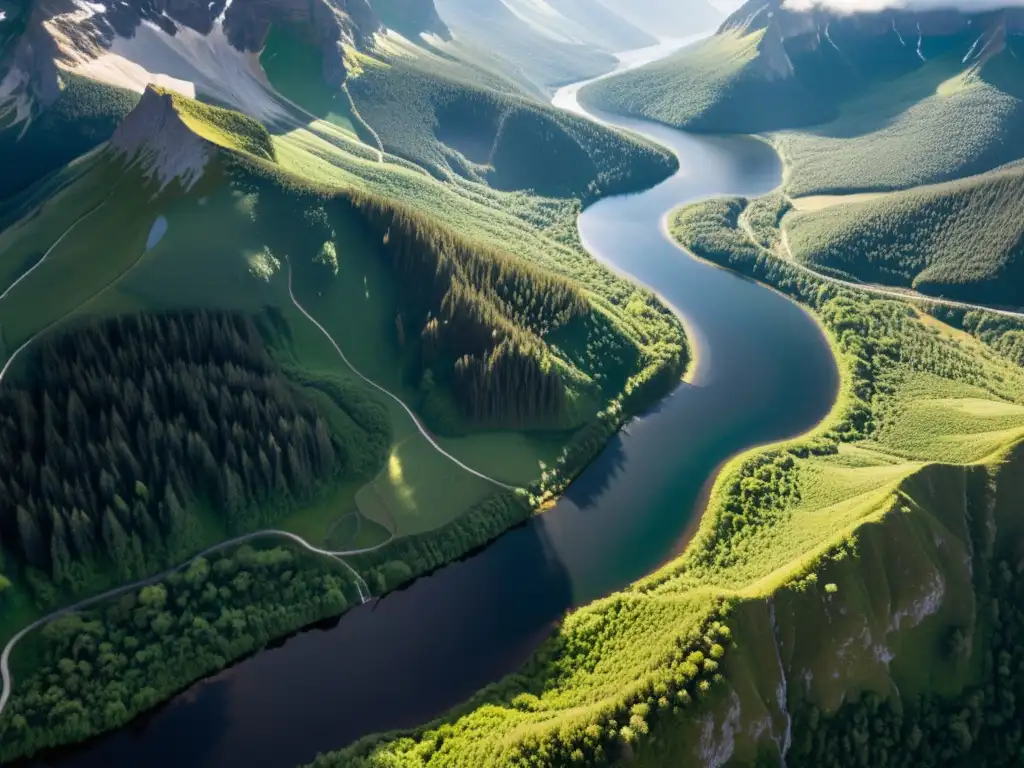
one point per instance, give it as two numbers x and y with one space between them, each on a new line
764 372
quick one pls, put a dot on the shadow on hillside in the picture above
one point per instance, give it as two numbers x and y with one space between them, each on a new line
394 663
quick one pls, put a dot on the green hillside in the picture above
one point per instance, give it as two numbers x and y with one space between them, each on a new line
936 123
961 240
834 103
724 84
812 577
162 267
454 118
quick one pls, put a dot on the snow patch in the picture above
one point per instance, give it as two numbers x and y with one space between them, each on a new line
15 102
187 63
902 41
975 45
90 9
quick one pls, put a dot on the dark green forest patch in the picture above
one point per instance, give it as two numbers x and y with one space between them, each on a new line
136 441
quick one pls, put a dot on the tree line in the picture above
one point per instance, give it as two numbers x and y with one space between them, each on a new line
982 726
102 667
481 316
129 433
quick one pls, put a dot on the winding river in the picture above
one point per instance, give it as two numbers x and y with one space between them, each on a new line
764 372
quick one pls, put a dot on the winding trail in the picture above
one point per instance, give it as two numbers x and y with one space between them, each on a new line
5 657
361 585
50 250
29 271
422 430
874 289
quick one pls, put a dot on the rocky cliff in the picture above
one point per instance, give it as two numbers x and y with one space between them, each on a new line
916 578
155 138
69 34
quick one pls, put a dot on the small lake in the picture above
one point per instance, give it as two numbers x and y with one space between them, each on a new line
764 373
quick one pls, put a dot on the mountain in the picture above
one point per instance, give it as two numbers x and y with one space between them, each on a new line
667 18
937 92
962 239
261 257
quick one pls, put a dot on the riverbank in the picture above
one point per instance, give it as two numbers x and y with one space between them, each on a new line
617 522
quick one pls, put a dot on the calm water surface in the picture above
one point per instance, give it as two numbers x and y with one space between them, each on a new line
764 373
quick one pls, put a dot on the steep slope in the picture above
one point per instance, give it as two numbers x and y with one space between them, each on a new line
67 77
937 92
962 239
460 120
855 559
731 82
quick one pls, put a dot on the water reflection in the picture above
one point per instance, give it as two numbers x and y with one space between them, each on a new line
764 373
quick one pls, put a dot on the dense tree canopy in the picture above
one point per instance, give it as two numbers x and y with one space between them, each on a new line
130 430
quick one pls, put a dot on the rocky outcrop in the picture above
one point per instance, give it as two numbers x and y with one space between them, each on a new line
71 33
329 24
411 17
155 138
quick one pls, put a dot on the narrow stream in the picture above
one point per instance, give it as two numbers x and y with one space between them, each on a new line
764 373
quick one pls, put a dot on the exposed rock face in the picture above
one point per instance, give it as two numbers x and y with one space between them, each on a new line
69 33
800 22
331 23
411 17
154 137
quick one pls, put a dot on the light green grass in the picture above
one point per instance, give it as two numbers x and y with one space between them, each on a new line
930 125
100 249
420 490
224 127
313 522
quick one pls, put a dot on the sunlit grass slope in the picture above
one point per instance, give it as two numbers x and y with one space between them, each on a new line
935 123
722 84
457 119
820 555
962 239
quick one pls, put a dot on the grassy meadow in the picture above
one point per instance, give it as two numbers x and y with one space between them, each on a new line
844 530
311 195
